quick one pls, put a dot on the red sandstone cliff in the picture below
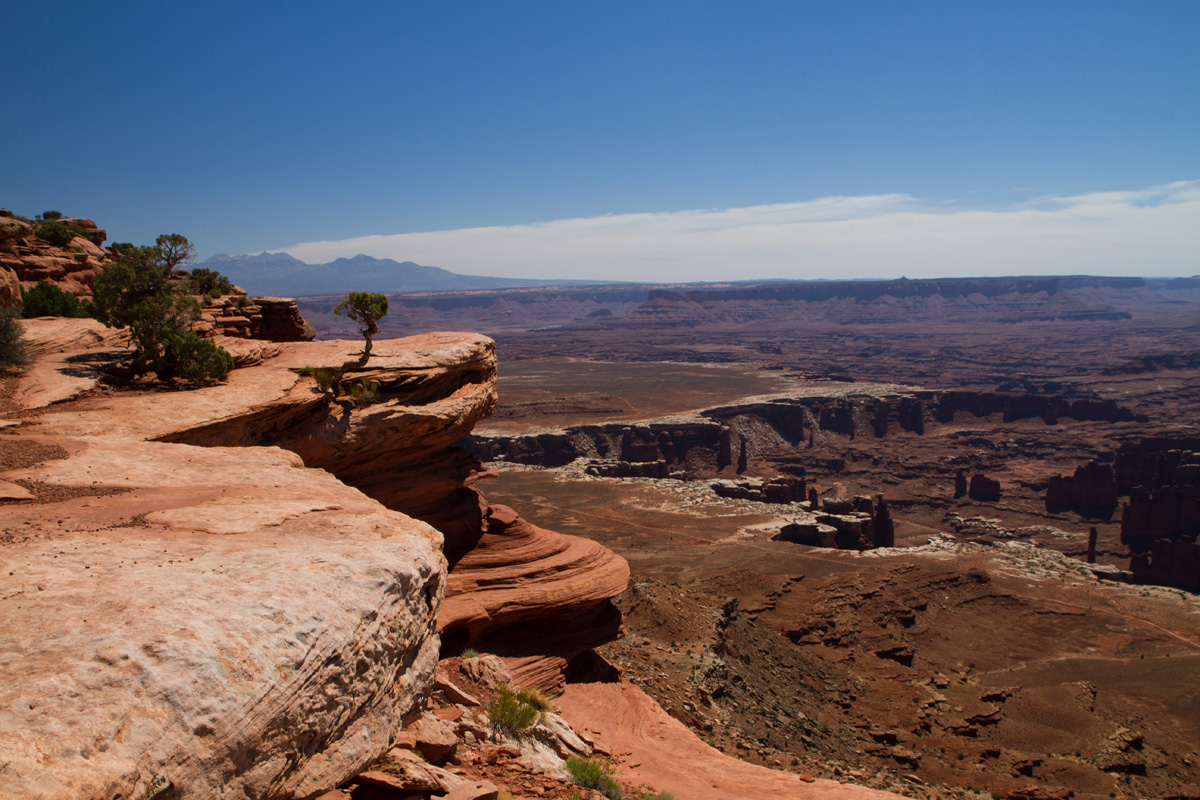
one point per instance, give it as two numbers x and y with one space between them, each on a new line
216 593
240 618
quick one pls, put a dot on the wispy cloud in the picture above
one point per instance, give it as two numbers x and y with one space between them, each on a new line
1152 231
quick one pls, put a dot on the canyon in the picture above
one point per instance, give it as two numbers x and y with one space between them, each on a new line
841 539
244 589
1037 469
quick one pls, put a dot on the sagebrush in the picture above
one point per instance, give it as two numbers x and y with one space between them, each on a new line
12 339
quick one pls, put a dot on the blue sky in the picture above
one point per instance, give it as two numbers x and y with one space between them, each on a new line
641 140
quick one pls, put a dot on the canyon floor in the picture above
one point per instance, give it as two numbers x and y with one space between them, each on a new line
981 653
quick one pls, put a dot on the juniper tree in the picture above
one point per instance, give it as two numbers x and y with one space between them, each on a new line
365 308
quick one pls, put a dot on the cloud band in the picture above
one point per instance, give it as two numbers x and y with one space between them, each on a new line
1149 232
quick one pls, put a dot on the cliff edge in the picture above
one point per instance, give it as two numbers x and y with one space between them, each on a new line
236 591
185 621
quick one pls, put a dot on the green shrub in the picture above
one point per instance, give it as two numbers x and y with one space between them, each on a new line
12 340
243 301
198 359
50 216
209 282
469 652
596 775
507 714
56 233
365 393
46 299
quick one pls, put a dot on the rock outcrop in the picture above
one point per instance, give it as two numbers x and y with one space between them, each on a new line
27 258
242 623
277 319
1161 524
780 489
984 489
71 266
10 288
214 622
859 523
669 756
1154 462
400 451
536 597
974 299
272 319
704 444
1091 491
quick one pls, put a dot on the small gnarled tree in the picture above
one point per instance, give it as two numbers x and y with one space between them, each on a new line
365 308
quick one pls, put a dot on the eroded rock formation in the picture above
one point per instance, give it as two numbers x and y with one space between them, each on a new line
780 489
706 443
858 523
1091 491
72 266
1161 526
538 598
984 489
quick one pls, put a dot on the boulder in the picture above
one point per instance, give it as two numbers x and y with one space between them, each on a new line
430 737
403 771
235 624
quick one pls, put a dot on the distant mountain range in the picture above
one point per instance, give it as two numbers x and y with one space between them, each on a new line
282 275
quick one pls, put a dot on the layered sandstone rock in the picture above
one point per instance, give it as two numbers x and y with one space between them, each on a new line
272 319
71 267
533 594
536 597
706 442
214 620
278 319
1161 521
172 625
984 489
780 489
1154 462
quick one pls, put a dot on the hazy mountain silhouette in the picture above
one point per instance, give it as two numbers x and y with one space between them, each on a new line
282 275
